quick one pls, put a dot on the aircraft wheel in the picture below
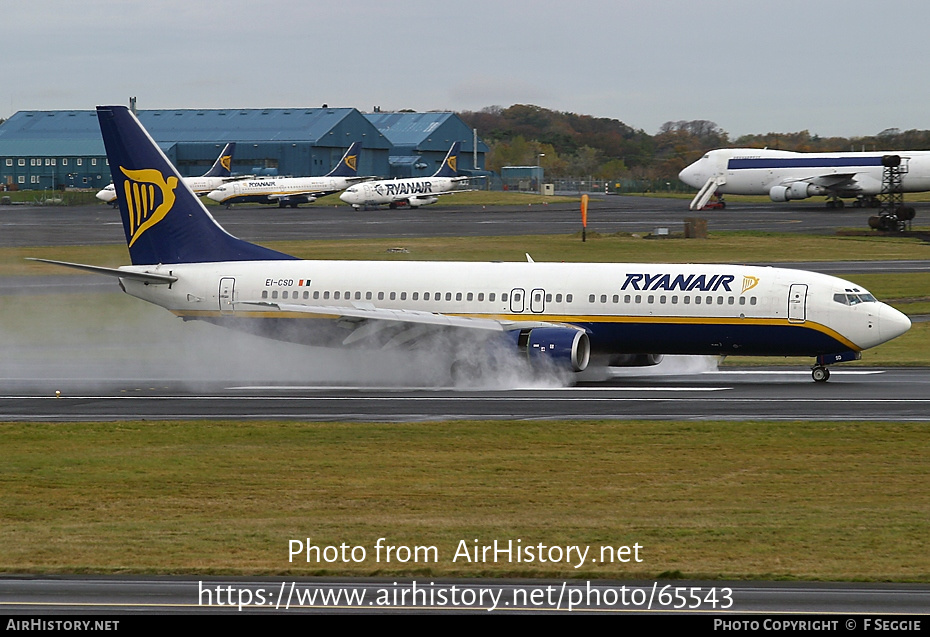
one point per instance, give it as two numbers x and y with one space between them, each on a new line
820 374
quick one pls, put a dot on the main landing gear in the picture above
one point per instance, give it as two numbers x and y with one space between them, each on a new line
820 374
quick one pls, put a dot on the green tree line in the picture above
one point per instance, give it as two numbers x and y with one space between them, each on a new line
571 145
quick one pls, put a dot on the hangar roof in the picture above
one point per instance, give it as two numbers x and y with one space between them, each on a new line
424 131
79 131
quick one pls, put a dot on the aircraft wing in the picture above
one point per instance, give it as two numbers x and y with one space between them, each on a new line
367 321
830 181
312 194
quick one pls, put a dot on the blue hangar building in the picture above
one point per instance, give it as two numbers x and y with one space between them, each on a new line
41 150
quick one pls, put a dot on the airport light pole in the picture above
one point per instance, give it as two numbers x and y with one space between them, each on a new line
539 183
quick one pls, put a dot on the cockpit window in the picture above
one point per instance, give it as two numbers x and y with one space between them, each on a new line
850 298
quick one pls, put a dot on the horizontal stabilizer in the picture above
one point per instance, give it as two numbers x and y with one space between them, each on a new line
149 277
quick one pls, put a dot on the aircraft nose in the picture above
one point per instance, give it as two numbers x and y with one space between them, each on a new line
892 323
215 195
691 175
347 196
106 195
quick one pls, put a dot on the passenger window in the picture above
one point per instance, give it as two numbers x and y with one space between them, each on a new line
316 294
686 300
616 298
639 298
448 296
415 296
548 298
358 296
662 299
558 298
742 300
627 298
380 296
603 298
367 296
403 296
752 301
674 299
650 299
590 298
336 295
491 296
274 294
393 295
568 298
264 294
480 296
284 294
470 297
458 296
426 296
504 296
697 300
326 294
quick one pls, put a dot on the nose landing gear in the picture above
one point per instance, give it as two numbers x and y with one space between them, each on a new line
820 374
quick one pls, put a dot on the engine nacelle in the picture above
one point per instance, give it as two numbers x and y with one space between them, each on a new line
416 202
797 190
563 346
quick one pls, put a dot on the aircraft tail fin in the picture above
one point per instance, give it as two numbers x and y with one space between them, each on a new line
163 220
223 164
449 166
348 165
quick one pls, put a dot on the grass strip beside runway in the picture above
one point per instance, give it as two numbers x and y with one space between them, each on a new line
808 500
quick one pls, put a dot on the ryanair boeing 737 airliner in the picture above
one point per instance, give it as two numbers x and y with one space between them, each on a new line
564 314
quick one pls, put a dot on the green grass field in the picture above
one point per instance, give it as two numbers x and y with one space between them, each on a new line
796 500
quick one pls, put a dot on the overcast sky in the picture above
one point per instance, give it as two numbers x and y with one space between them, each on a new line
833 67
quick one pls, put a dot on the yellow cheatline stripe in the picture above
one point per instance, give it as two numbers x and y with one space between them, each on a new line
517 318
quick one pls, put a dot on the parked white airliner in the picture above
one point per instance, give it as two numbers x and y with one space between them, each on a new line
218 175
563 314
412 191
784 175
291 191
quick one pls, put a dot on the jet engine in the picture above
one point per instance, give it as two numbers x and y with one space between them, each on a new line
563 346
797 190
416 202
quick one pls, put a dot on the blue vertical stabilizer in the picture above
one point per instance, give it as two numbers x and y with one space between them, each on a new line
164 221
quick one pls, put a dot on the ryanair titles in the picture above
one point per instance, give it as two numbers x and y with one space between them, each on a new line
685 283
404 188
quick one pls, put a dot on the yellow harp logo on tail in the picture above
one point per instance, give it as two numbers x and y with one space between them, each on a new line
149 197
351 161
452 162
226 162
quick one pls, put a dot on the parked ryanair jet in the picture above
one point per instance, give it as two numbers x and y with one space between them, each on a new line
413 191
218 174
563 314
291 191
784 175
